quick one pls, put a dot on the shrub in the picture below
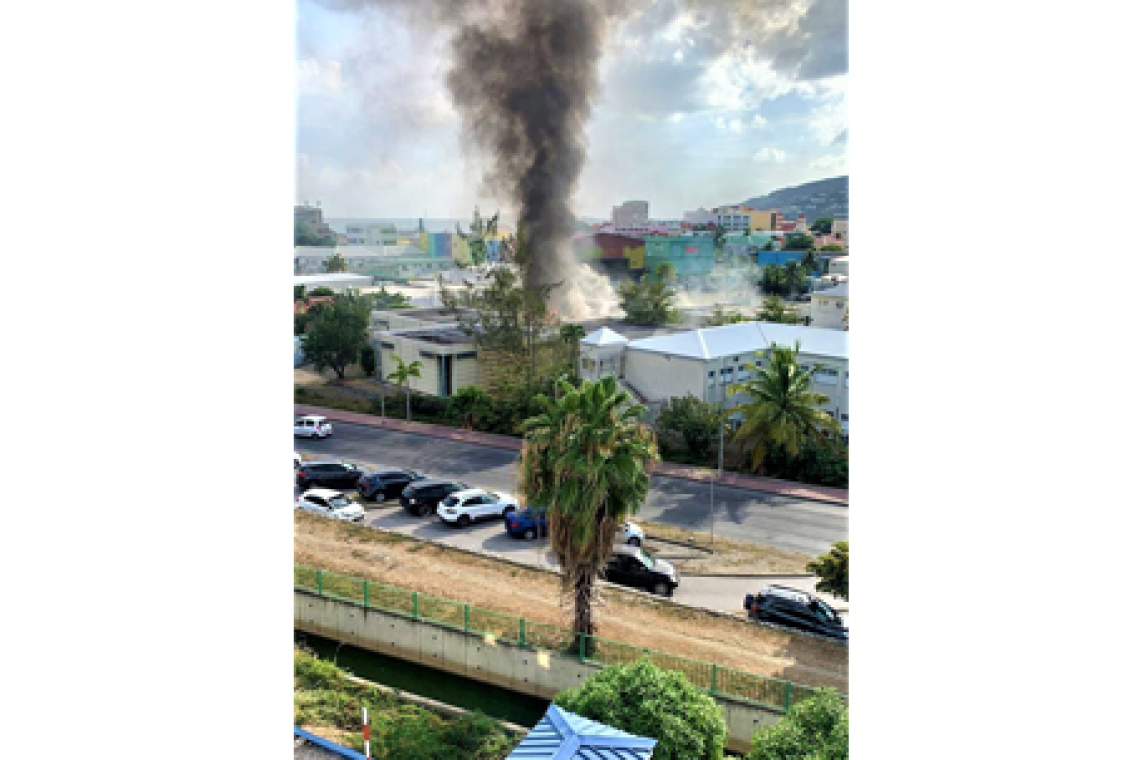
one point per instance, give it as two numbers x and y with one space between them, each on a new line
642 699
814 729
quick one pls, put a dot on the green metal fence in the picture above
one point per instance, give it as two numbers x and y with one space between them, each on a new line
771 692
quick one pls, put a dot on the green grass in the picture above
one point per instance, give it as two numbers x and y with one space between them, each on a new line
327 704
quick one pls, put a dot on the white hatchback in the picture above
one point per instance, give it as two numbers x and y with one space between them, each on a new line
464 507
312 426
329 503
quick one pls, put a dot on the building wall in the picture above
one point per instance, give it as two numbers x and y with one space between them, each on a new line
631 212
828 311
659 377
690 256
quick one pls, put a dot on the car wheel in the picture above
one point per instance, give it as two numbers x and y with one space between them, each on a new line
634 541
464 521
529 533
661 589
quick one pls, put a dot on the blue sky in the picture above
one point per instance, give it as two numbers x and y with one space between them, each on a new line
701 103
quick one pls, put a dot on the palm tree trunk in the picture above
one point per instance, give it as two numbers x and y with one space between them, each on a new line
583 605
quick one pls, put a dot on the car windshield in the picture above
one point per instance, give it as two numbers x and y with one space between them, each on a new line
645 557
339 501
825 611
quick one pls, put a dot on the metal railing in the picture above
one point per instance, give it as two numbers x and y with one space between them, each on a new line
774 693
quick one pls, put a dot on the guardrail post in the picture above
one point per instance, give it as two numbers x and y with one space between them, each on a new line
365 593
416 605
713 689
522 632
467 618
787 695
319 592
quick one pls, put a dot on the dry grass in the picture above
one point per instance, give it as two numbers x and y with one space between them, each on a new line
404 561
728 557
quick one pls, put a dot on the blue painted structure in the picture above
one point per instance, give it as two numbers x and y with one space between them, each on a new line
562 735
778 258
325 744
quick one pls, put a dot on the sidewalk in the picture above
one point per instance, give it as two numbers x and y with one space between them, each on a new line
735 480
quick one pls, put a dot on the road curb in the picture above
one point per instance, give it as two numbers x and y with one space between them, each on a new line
636 594
821 494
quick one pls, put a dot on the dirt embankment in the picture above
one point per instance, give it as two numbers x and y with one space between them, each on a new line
403 561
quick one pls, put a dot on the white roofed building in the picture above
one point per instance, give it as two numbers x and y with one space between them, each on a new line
706 361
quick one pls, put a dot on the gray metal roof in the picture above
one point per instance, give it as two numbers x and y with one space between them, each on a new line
745 338
562 735
839 291
604 336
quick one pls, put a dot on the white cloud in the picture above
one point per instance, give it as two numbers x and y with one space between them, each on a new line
757 121
679 56
769 155
830 162
314 75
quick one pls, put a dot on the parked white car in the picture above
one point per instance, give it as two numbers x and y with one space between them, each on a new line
296 460
465 507
312 426
631 533
329 503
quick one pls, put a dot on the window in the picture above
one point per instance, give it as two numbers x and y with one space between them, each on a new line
846 378
827 376
839 304
712 378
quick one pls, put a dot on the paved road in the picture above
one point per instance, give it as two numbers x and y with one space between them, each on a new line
769 519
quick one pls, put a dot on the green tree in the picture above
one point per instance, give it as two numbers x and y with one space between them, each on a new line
472 407
298 293
831 569
694 421
402 375
649 301
810 261
507 318
815 728
321 291
336 263
795 277
718 237
585 457
773 309
571 336
822 226
773 279
368 360
721 317
831 247
642 699
782 410
336 332
477 239
382 300
798 241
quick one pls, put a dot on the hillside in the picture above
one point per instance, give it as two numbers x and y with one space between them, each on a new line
825 197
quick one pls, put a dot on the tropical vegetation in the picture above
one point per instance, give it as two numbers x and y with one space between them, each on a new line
773 309
585 457
649 300
640 698
336 333
782 411
815 728
831 569
402 376
692 422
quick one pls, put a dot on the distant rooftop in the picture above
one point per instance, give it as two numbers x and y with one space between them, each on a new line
632 332
745 337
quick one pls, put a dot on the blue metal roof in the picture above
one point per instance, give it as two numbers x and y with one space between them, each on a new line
562 735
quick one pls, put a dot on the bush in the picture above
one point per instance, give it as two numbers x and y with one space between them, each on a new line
814 729
471 407
694 421
642 699
428 406
831 569
368 361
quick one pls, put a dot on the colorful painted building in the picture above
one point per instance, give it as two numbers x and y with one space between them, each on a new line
690 256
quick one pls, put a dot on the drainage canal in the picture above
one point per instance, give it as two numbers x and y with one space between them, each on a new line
428 682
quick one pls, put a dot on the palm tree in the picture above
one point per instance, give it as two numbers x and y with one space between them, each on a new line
336 263
402 374
585 459
571 335
783 411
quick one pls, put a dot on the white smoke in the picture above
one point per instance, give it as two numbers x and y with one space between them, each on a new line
587 294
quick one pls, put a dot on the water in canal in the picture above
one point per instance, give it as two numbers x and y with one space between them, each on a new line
428 682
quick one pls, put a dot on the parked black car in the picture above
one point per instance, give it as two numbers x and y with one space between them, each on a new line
795 609
421 497
386 483
330 474
633 566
